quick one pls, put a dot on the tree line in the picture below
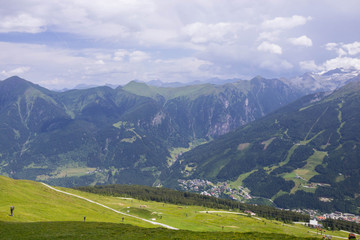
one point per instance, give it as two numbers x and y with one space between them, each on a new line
341 225
166 195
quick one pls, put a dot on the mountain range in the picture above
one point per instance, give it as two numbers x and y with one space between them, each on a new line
125 135
250 131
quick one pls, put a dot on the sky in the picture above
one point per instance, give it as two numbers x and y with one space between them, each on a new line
62 43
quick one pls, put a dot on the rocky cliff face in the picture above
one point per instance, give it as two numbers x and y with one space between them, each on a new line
222 108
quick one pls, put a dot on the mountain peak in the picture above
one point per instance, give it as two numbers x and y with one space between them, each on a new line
18 85
135 83
16 79
258 77
16 82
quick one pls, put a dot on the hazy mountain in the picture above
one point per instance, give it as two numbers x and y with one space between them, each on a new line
217 81
307 83
310 148
159 83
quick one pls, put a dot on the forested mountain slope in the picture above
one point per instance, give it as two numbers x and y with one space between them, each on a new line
306 154
129 134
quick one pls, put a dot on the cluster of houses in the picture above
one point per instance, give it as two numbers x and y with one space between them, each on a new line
222 189
341 216
208 188
335 215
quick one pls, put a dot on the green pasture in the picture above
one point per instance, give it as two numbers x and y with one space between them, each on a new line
43 213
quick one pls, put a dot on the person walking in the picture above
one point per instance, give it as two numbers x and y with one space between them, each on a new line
12 210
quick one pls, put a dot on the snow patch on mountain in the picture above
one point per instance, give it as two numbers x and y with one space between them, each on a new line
323 81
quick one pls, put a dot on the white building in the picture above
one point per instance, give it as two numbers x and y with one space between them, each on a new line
313 223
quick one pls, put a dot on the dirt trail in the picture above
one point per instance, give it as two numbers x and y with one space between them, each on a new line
102 205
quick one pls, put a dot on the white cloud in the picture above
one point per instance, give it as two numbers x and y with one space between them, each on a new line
120 55
271 36
138 56
42 62
338 62
309 66
150 36
344 49
131 56
345 58
285 22
285 65
58 68
108 40
22 23
270 47
301 41
100 62
182 69
120 19
192 64
352 48
341 52
331 46
276 64
342 62
219 32
42 56
15 72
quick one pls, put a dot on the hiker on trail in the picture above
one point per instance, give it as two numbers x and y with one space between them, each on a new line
12 210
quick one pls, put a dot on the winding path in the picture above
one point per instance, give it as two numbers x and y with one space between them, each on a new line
102 205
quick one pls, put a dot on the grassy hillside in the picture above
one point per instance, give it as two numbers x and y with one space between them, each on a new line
34 202
42 213
88 231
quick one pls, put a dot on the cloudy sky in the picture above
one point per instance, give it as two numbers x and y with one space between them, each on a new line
63 43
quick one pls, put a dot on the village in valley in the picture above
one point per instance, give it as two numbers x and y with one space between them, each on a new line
314 214
242 194
220 189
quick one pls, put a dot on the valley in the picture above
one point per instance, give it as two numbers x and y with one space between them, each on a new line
189 138
203 119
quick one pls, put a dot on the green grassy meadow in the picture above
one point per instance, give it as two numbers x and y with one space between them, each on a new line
42 213
92 230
